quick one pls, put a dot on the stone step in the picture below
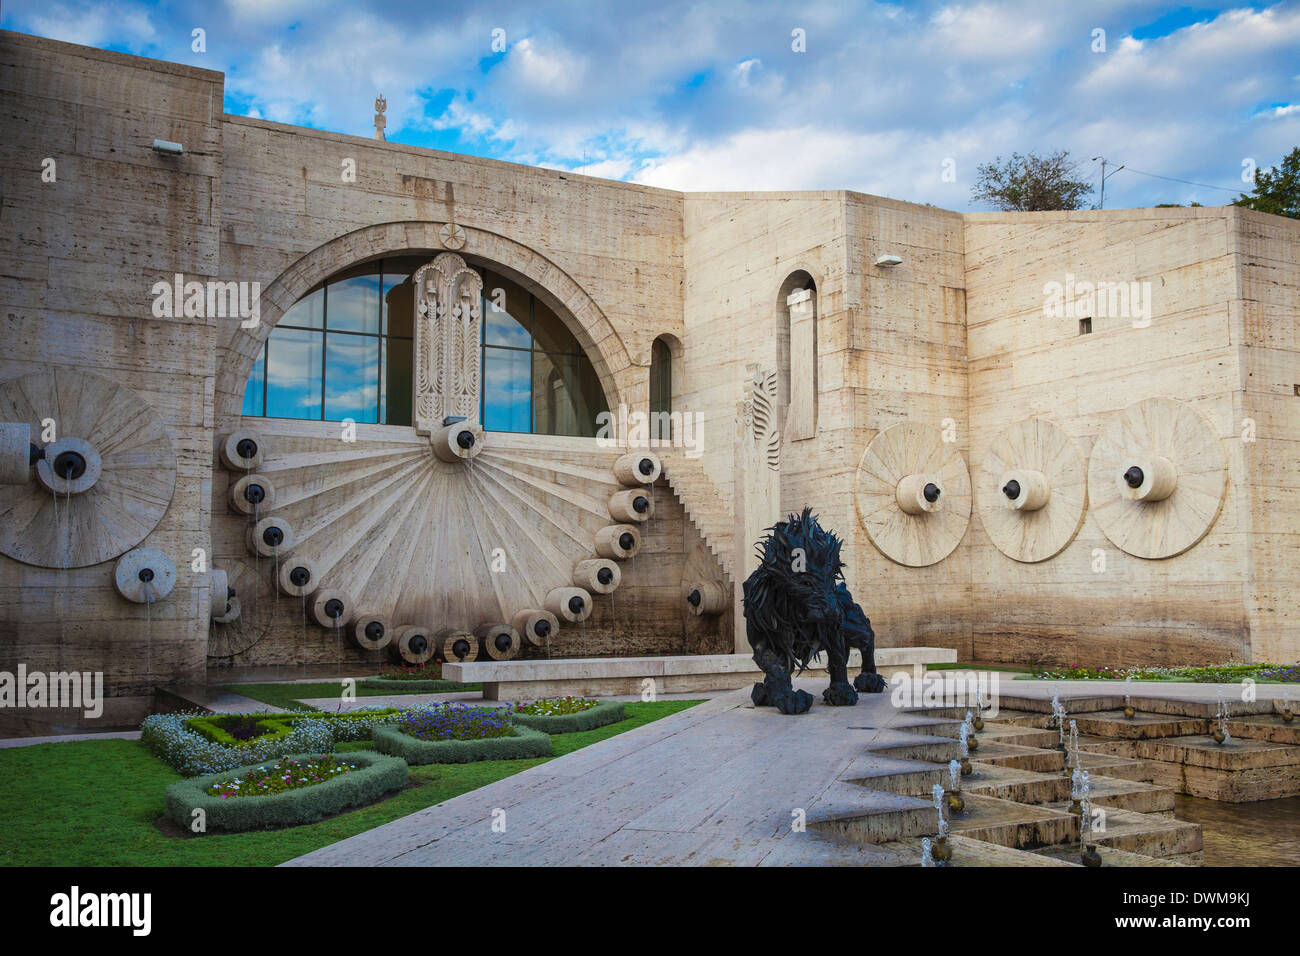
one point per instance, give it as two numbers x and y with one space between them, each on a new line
970 852
1019 758
1127 768
1129 795
1010 824
1269 727
1242 771
1021 786
1020 736
892 775
853 813
1148 834
933 749
1142 726
1111 857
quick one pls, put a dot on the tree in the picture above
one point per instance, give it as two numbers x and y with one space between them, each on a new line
1277 190
1031 183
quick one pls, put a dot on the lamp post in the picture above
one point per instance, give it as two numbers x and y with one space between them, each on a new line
1102 203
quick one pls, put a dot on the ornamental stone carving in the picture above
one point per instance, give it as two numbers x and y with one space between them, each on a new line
448 316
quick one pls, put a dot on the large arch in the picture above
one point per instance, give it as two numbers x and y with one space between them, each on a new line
541 276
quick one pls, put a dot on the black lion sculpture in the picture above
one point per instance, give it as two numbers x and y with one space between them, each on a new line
797 606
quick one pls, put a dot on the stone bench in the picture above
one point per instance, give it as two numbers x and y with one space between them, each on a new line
609 676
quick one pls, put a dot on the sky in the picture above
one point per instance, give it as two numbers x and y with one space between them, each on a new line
896 99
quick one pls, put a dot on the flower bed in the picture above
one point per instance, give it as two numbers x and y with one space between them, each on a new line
1228 673
278 776
450 733
567 715
203 743
369 777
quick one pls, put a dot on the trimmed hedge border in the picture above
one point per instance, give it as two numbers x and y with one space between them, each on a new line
172 739
375 776
605 712
416 686
523 743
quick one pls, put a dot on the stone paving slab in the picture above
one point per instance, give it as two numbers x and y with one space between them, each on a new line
67 738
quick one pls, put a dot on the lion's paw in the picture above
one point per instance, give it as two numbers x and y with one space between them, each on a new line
870 683
794 702
840 694
759 696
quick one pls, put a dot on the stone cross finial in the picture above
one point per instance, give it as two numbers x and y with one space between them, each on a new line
381 104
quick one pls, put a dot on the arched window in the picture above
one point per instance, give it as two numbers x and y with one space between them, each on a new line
661 390
796 360
344 350
536 377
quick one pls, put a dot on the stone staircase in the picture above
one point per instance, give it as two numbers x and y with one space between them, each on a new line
1018 807
705 508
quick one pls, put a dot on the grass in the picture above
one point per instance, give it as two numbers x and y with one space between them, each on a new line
95 803
286 696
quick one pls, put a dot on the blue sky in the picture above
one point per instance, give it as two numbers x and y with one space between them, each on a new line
712 95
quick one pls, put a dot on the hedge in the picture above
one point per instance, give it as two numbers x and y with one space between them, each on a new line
416 686
605 712
179 739
522 743
376 775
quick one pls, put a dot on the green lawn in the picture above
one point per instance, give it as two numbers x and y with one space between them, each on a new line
286 696
95 803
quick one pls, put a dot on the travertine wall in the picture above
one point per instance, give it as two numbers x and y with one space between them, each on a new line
1192 607
1265 321
955 333
80 255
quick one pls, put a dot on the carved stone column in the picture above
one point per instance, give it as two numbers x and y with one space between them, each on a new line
757 481
448 319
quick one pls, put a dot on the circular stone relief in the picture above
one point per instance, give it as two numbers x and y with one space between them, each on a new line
106 482
913 494
1156 478
1032 490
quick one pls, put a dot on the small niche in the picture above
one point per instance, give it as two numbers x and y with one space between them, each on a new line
1085 326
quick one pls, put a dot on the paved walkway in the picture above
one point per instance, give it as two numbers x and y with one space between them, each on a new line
716 784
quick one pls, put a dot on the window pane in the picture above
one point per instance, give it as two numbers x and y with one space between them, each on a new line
307 312
352 305
399 304
293 369
352 376
550 333
566 395
396 379
253 396
505 312
506 404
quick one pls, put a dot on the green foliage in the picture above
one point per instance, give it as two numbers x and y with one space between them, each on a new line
96 802
522 742
1231 672
1277 190
602 713
277 776
1031 183
556 706
198 743
375 776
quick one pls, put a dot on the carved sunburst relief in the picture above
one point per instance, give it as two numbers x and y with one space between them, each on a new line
438 526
